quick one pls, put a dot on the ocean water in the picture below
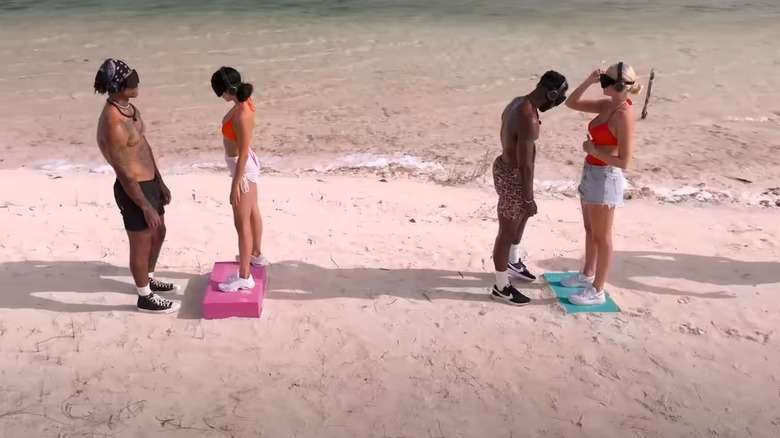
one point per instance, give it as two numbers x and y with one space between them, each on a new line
523 9
346 84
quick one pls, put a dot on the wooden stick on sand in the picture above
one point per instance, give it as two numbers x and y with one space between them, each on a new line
649 89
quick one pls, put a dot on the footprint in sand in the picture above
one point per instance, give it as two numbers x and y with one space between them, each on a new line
604 368
732 333
641 312
756 336
691 329
761 338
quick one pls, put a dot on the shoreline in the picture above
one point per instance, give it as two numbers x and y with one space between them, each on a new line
329 91
405 167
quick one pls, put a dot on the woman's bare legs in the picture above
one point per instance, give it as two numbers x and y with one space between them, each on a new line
601 218
242 214
591 249
585 276
257 228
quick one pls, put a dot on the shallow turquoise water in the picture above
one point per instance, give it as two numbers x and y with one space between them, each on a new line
525 9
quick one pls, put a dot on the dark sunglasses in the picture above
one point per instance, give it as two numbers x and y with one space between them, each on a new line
132 80
606 81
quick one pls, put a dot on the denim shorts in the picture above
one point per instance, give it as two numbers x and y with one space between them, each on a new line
602 185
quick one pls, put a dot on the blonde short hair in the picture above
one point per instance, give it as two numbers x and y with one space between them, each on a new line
629 75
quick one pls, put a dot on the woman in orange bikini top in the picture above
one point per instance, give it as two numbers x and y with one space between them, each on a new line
245 173
609 146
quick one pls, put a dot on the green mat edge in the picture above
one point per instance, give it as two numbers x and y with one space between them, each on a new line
553 279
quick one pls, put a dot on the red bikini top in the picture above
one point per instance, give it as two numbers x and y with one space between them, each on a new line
602 136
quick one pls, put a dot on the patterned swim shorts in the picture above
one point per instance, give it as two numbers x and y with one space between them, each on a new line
510 191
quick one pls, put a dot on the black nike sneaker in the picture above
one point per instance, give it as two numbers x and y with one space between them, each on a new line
510 295
520 271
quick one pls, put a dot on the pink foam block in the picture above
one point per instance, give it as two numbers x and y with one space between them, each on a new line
242 304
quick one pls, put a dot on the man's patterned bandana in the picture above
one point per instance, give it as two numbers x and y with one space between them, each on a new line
116 72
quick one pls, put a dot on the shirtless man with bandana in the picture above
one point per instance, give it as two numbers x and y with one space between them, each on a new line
139 190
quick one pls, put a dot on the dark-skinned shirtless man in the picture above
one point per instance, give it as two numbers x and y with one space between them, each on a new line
513 177
139 190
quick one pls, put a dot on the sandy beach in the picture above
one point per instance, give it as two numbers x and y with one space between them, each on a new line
377 320
376 130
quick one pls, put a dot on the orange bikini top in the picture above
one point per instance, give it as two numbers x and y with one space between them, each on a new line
228 131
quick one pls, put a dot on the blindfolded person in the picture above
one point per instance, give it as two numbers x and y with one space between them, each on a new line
609 146
237 128
139 190
513 178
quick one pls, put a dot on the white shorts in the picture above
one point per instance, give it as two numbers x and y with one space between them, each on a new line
251 170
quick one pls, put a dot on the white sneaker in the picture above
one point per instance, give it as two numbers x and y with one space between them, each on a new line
588 297
577 280
259 261
235 283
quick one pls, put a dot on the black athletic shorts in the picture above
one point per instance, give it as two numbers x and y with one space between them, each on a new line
132 215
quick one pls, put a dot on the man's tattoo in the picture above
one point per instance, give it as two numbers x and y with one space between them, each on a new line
121 157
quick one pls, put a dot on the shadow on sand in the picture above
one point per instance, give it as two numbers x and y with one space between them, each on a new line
293 280
720 271
36 284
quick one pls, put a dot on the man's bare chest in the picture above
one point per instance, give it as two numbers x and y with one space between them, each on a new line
135 132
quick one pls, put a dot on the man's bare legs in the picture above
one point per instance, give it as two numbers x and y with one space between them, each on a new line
157 238
520 231
144 250
507 230
503 289
517 268
140 254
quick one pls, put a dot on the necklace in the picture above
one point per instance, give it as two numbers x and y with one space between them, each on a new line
120 108
118 105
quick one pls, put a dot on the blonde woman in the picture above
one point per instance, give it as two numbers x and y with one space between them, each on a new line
609 146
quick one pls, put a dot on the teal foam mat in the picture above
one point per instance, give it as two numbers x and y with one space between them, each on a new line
562 293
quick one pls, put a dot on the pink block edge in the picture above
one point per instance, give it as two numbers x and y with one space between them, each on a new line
221 305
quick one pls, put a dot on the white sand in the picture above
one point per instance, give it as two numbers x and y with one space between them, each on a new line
377 321
379 326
